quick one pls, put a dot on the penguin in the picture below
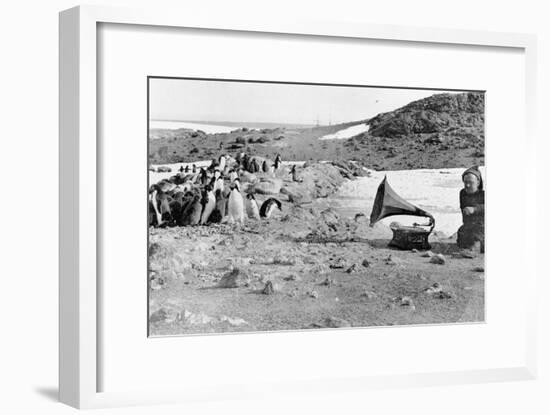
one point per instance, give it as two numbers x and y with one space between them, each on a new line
252 207
278 162
187 169
192 215
265 166
235 205
245 162
186 202
203 177
254 166
269 206
227 170
218 213
209 203
239 157
164 201
233 175
154 203
221 162
295 174
218 184
181 169
194 169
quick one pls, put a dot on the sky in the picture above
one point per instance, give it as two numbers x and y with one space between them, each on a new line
207 100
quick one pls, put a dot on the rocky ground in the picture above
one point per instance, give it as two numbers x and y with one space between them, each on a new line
306 267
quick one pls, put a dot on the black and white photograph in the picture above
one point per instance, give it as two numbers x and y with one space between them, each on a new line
278 206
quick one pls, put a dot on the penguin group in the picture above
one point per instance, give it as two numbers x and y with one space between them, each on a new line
213 194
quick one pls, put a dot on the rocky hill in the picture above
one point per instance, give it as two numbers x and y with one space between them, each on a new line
439 113
440 131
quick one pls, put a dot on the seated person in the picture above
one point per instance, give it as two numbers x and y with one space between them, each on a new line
471 235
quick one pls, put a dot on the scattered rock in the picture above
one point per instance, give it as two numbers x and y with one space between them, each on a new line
414 250
328 282
334 323
319 269
365 263
233 279
293 277
369 294
268 288
479 269
280 260
157 316
313 294
438 259
406 301
340 263
391 260
240 261
352 269
444 295
195 319
233 321
434 288
157 283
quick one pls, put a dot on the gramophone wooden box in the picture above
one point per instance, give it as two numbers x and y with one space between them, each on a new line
410 237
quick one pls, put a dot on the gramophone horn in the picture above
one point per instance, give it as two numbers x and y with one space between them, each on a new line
388 203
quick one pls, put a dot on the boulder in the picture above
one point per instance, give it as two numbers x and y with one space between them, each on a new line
234 278
268 288
438 259
267 186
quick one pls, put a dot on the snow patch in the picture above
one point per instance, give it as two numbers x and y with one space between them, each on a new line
346 132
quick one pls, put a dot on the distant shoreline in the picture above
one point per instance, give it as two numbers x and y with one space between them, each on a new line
247 124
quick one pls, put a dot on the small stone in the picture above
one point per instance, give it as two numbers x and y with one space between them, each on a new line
320 269
414 250
427 254
280 260
157 316
340 263
334 323
313 294
233 278
164 314
438 259
268 288
479 269
434 288
328 282
365 263
443 295
406 302
352 269
369 294
391 260
195 319
293 277
233 321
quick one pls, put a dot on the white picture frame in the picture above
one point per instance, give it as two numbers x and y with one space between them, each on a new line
78 343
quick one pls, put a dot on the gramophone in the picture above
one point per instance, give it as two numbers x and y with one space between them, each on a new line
388 203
